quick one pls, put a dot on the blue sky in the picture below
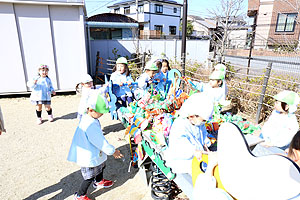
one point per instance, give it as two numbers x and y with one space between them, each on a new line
195 7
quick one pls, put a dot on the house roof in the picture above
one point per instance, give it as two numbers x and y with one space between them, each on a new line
111 17
208 23
128 2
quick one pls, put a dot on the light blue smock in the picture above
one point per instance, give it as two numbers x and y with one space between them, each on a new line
216 94
89 147
42 90
118 79
184 140
280 129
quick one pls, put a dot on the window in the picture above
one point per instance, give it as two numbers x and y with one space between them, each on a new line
158 28
172 30
175 10
141 8
126 10
117 10
158 8
286 22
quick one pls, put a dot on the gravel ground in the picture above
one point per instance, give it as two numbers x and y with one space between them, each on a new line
33 157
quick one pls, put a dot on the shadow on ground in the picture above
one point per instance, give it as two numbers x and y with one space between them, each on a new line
71 183
67 116
113 128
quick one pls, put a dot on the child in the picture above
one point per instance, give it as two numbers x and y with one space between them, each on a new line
214 87
145 79
282 125
188 139
89 148
294 149
188 135
164 68
86 83
41 93
222 68
121 75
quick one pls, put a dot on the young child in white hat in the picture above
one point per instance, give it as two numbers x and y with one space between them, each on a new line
188 135
213 88
87 89
282 124
89 148
120 76
42 90
145 79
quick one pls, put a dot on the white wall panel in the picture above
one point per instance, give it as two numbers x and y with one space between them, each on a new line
11 67
69 42
35 35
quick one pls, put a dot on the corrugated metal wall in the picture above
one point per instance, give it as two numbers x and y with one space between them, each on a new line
34 34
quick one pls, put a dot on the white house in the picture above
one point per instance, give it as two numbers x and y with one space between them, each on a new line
202 26
159 15
39 32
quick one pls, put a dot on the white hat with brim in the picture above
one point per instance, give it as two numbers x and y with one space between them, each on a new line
217 75
86 78
220 67
197 104
98 102
290 98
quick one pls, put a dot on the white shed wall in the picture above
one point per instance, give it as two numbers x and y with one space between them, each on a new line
35 34
12 77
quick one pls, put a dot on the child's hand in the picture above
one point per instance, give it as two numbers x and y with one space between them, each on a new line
149 82
53 92
120 84
129 82
118 154
164 79
157 80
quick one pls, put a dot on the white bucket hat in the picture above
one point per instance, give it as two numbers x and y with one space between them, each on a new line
290 98
85 78
197 104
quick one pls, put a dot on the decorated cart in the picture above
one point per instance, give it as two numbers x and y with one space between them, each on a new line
148 122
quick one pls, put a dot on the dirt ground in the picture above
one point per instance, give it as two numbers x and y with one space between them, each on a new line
33 161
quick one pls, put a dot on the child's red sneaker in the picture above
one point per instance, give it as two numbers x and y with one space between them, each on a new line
76 197
103 184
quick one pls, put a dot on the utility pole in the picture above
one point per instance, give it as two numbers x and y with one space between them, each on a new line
183 43
138 28
252 43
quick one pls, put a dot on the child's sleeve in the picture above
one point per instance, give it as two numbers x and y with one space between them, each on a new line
142 82
114 79
51 89
31 83
129 78
96 137
198 85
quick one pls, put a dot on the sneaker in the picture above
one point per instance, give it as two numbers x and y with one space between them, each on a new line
50 118
76 197
103 184
39 121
